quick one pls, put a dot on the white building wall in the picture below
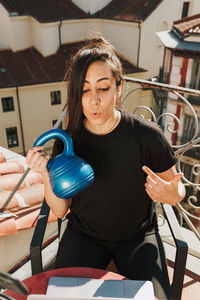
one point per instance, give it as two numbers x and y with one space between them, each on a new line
91 6
132 96
124 36
151 50
4 28
10 119
20 33
175 77
37 100
94 27
194 7
73 30
45 37
36 111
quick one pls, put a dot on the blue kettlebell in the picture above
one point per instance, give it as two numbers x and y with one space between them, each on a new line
69 174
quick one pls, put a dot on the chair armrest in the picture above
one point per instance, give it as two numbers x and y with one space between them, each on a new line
181 252
37 239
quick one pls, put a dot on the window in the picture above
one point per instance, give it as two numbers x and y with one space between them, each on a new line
7 104
195 78
185 9
55 98
12 137
187 170
54 122
167 62
189 129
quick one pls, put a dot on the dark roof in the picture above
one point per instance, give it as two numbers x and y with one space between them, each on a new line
57 10
44 10
29 67
129 10
187 26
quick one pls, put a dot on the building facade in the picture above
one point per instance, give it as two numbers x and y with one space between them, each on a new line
36 46
181 67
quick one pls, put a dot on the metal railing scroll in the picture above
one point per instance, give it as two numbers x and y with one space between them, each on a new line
180 150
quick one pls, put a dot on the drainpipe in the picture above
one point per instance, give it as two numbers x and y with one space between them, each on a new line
139 41
59 33
20 120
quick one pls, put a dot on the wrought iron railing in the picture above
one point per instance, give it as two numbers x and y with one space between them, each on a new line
180 150
192 201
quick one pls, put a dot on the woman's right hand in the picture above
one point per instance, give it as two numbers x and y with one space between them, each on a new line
37 160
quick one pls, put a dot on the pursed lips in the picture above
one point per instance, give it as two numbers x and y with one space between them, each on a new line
96 113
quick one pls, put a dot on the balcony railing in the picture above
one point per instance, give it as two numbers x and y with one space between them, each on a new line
180 150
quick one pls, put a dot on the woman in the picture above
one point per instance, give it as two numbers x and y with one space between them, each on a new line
113 217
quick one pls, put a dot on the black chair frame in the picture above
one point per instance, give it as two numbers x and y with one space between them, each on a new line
180 257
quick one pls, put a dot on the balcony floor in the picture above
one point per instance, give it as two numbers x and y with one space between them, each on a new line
191 286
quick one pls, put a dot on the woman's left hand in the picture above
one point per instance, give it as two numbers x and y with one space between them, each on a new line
164 187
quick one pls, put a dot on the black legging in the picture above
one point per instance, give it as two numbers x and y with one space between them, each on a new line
140 259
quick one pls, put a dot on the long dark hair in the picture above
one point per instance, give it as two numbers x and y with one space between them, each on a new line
94 50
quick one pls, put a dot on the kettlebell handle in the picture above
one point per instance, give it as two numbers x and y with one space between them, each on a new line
56 133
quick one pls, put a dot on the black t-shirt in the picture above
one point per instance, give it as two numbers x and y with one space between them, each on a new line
114 207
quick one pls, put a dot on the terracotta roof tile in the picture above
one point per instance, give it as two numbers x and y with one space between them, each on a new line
23 219
23 209
188 26
29 67
56 10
